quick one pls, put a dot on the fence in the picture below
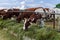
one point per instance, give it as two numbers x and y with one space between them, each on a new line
53 14
19 34
56 21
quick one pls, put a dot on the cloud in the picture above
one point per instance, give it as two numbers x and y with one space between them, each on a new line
34 5
3 7
9 3
27 3
22 5
49 5
5 3
29 0
41 2
23 2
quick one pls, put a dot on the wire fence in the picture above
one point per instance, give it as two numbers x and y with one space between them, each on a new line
55 23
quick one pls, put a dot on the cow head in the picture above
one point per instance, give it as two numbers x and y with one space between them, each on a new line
26 24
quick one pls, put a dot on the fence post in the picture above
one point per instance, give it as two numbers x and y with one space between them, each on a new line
53 21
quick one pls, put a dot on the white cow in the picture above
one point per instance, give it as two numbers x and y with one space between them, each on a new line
44 12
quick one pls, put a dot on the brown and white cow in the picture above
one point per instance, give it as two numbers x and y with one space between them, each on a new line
2 12
32 15
26 13
10 13
49 11
33 19
46 12
29 16
39 14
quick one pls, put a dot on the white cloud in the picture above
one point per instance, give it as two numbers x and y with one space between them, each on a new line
49 5
22 5
5 3
23 2
29 0
41 2
17 7
34 5
9 3
3 7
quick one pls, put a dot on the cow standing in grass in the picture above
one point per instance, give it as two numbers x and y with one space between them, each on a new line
2 12
38 15
10 13
29 16
26 14
33 19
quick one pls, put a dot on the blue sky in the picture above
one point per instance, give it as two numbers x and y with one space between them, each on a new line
28 3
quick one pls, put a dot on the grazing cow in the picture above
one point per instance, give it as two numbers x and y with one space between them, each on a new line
29 16
2 12
33 19
26 13
10 13
32 15
39 14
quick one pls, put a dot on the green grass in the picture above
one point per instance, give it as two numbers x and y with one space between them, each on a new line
34 32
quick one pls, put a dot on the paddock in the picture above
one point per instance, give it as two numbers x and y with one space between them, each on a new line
13 30
54 22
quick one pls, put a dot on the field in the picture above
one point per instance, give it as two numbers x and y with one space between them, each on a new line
11 30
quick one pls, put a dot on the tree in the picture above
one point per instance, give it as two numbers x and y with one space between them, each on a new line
58 6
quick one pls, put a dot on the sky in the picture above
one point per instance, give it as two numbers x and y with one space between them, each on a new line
28 3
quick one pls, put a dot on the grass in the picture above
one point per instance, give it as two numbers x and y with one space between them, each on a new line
14 31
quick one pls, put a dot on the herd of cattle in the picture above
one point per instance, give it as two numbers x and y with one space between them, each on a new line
29 15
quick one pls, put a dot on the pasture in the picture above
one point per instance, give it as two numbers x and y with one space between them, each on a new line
11 30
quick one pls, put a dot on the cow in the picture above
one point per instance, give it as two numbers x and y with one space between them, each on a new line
47 12
10 13
2 12
39 14
29 15
33 19
26 13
